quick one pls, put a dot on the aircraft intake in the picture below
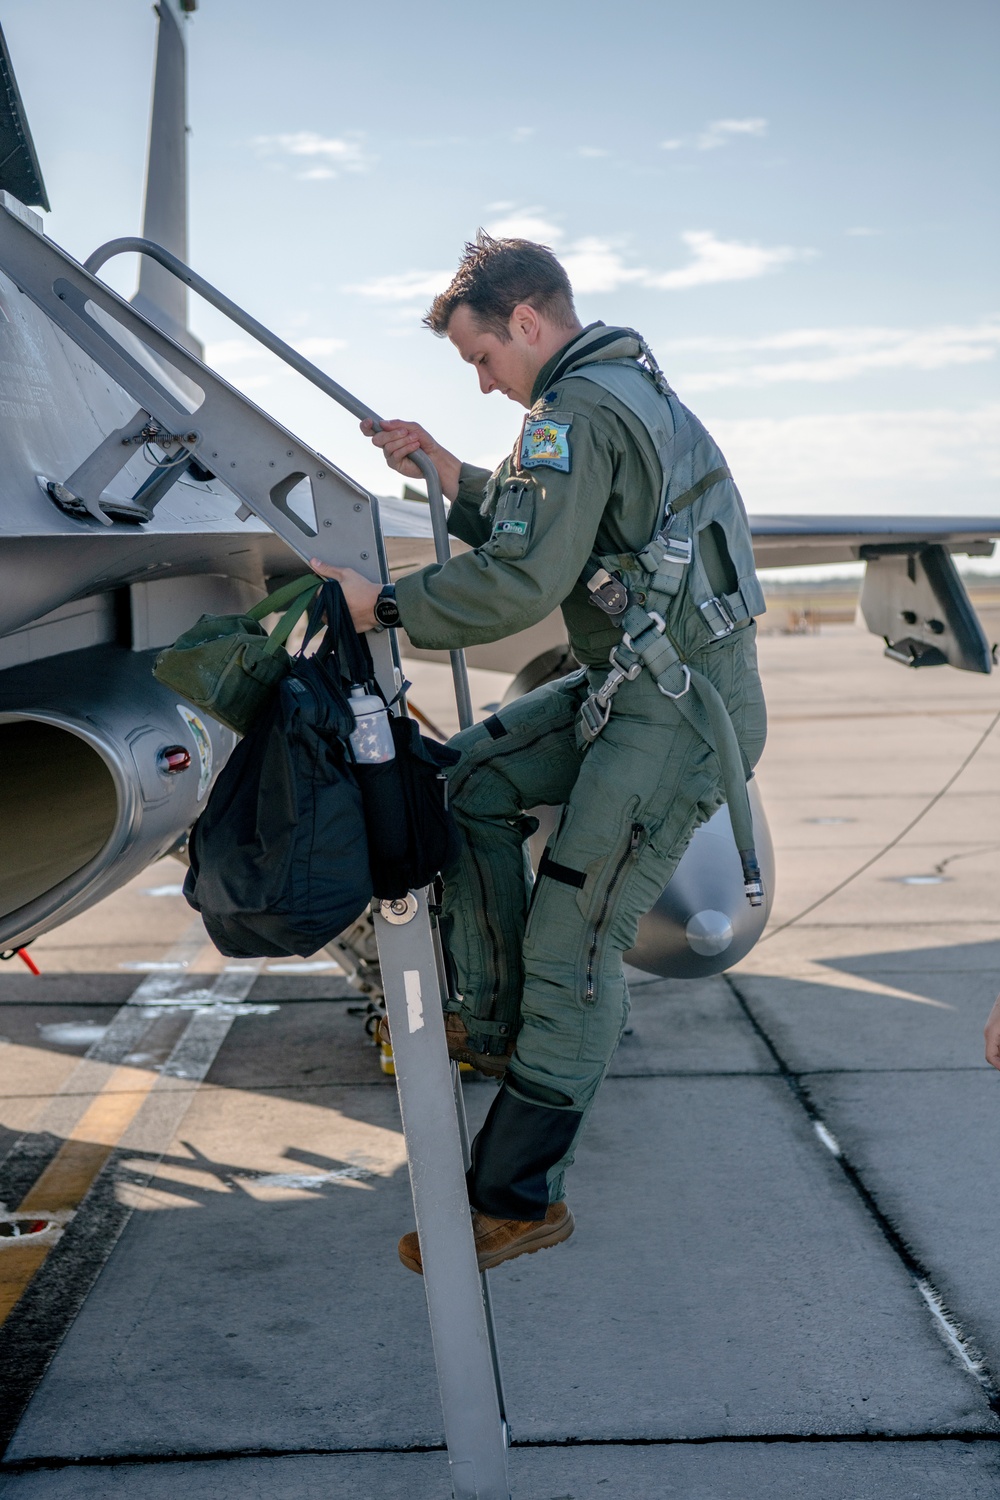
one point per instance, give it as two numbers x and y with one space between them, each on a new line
101 771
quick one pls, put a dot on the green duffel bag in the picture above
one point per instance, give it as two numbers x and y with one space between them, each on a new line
228 665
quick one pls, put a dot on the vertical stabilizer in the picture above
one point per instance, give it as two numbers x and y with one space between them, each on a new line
161 297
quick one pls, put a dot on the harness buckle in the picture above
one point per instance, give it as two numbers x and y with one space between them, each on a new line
607 592
620 671
676 549
595 711
660 624
718 617
687 684
594 715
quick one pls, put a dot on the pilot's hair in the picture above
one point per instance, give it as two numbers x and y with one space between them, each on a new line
495 276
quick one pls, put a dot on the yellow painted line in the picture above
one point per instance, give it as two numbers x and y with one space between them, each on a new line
71 1173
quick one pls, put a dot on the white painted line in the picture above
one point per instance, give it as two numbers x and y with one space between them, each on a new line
950 1331
828 1138
414 1000
311 1179
316 966
164 890
151 966
72 1033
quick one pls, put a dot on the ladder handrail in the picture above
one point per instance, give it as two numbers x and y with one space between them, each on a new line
318 377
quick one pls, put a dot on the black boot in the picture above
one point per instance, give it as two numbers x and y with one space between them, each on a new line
512 1153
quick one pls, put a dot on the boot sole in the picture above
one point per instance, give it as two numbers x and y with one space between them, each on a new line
543 1239
492 1067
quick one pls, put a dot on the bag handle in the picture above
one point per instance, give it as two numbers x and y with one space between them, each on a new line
279 635
294 598
286 595
341 641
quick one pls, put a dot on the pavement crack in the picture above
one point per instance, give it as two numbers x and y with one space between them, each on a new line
945 1323
50 1462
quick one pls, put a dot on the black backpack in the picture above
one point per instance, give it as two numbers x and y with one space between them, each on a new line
280 857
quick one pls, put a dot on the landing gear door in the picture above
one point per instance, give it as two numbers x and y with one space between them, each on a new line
918 603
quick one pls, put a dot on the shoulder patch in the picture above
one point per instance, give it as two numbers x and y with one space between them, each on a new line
545 444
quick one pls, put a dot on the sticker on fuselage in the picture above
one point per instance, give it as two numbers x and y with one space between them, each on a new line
203 744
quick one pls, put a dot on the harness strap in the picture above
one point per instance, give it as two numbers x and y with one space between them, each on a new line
697 490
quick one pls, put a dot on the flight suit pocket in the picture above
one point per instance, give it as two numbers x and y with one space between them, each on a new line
512 520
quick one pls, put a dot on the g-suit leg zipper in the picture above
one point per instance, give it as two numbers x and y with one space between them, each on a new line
630 853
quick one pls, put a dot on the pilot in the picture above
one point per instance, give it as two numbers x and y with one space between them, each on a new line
541 999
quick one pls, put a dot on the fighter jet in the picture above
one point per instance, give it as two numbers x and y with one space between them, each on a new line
125 515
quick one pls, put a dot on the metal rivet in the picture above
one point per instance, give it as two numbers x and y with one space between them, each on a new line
364 556
327 523
320 473
358 506
271 464
288 452
233 464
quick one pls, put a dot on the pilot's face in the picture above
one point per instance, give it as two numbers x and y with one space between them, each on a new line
508 367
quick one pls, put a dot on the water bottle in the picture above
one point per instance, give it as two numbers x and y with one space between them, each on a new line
372 738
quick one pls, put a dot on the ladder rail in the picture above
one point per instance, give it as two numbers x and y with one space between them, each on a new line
128 244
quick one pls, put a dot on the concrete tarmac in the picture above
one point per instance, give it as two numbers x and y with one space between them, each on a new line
782 1282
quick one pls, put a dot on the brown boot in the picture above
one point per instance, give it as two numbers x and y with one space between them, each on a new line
457 1037
502 1239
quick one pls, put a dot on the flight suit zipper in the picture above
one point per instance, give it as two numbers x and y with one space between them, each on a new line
629 854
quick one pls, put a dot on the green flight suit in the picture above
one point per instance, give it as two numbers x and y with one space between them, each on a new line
544 964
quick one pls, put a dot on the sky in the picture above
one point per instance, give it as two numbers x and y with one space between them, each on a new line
796 203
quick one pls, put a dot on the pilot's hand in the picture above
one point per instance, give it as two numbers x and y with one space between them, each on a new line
398 440
359 592
993 1036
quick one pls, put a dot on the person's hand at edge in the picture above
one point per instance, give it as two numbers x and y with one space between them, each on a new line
992 1035
398 440
359 592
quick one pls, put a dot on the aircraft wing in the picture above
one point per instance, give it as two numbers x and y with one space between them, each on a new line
912 595
797 541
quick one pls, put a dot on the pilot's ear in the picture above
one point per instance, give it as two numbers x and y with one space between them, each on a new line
525 320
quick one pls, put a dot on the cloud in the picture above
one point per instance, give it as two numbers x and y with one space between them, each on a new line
224 354
721 132
861 232
717 133
592 151
597 265
717 260
925 461
526 224
328 155
843 353
231 352
404 287
521 134
316 347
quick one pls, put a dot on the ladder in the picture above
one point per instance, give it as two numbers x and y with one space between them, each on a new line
218 431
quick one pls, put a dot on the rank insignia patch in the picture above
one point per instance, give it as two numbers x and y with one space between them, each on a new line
546 444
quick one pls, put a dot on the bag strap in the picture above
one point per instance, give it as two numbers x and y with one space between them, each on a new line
279 635
341 641
283 597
